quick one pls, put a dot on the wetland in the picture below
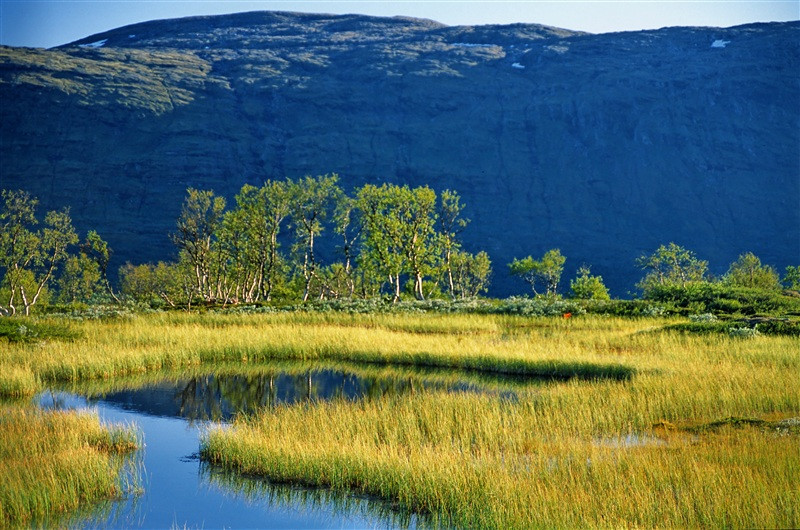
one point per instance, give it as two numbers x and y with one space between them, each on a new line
409 420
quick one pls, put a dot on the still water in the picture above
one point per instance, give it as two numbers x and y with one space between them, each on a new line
179 491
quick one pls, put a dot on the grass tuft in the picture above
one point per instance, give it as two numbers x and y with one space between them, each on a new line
53 463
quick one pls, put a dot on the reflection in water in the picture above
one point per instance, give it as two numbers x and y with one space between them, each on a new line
179 491
257 489
222 396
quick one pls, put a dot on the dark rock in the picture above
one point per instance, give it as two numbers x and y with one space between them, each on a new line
604 146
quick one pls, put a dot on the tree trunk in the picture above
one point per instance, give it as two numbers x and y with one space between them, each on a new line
449 274
396 289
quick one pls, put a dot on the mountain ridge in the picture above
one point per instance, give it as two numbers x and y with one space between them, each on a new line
603 145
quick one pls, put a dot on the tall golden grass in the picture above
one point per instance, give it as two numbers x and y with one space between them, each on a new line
604 444
53 463
146 343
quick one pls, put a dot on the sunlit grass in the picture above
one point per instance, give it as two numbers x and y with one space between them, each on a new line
471 461
111 348
419 376
559 454
52 463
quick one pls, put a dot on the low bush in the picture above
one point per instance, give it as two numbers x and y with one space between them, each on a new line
707 297
740 327
537 307
27 330
627 308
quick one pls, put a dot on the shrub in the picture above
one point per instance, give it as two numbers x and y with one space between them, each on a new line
743 333
718 298
705 317
588 287
18 330
537 307
626 308
780 327
747 271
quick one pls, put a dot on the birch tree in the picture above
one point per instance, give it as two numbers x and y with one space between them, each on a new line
29 257
200 218
450 225
312 200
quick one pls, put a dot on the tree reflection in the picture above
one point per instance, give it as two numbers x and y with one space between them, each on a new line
220 397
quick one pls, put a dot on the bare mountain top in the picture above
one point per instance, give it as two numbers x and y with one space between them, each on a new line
268 29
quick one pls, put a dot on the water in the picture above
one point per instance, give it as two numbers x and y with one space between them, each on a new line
180 491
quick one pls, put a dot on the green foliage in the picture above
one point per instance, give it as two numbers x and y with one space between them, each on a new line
792 277
399 233
469 273
313 199
18 330
546 270
29 257
23 280
450 224
588 287
163 283
670 265
97 250
135 282
747 271
349 225
255 267
719 298
80 279
526 269
431 290
196 237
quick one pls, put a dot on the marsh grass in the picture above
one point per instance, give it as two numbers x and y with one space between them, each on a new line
544 459
492 344
474 460
256 489
53 463
485 382
469 461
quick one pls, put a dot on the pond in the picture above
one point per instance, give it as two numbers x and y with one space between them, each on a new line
172 410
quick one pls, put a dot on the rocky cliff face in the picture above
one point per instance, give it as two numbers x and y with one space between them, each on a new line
604 146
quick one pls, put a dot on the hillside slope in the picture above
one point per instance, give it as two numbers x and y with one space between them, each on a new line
602 145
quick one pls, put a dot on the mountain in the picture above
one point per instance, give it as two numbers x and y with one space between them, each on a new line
604 146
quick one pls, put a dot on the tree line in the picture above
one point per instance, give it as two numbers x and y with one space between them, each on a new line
385 240
669 267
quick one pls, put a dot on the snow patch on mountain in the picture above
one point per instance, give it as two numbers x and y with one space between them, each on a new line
95 44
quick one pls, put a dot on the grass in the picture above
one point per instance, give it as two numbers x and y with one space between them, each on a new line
616 438
53 463
323 500
474 462
146 343
419 376
544 460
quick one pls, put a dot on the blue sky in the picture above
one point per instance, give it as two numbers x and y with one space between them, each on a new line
46 23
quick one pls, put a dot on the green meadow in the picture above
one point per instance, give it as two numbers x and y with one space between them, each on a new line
604 421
